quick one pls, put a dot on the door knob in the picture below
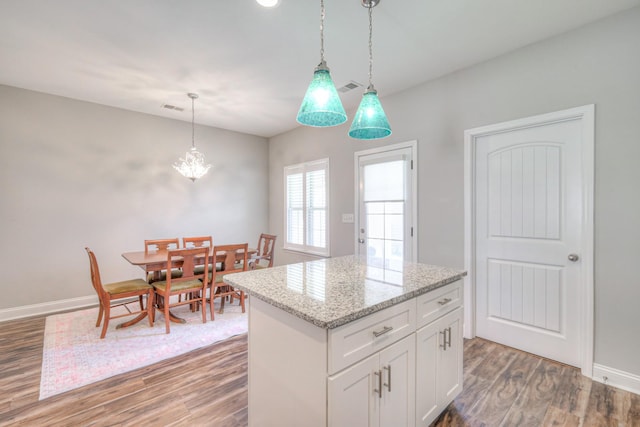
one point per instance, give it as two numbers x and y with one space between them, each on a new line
573 257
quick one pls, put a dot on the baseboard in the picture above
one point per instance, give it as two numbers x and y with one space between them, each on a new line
46 308
616 378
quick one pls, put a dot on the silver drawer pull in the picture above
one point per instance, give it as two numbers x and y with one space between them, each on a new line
444 301
383 331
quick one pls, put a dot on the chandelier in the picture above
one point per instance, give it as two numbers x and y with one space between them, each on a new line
193 164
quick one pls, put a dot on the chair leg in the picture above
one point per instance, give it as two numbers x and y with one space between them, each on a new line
202 302
166 313
100 313
150 308
222 303
211 294
107 315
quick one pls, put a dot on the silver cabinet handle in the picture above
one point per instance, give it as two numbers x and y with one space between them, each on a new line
383 331
573 257
448 337
444 340
388 383
379 389
444 301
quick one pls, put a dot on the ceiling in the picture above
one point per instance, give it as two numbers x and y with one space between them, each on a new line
251 65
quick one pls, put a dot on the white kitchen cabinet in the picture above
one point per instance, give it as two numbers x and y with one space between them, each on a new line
377 391
438 365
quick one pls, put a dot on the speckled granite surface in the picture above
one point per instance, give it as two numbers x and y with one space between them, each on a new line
334 291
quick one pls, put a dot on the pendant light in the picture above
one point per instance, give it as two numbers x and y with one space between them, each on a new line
370 121
193 165
321 106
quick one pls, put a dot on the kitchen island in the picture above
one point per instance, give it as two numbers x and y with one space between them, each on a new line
339 342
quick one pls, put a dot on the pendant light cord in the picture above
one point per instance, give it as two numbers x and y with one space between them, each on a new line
370 45
321 31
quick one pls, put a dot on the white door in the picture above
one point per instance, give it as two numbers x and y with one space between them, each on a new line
385 205
529 221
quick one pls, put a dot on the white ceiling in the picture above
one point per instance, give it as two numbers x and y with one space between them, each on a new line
251 65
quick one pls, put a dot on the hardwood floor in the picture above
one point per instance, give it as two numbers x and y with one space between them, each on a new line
208 387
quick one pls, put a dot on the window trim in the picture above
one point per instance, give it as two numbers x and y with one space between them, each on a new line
321 164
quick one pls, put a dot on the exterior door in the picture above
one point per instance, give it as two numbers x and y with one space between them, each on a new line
529 222
386 185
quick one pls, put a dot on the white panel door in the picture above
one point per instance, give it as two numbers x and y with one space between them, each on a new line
529 213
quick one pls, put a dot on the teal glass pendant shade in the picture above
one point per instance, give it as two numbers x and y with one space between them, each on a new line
321 106
370 121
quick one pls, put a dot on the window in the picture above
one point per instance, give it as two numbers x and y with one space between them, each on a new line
307 207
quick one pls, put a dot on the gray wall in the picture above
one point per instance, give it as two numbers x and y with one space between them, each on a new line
597 64
76 174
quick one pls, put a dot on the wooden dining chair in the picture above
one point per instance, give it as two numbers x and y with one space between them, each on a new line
235 261
198 242
161 246
263 258
118 294
191 284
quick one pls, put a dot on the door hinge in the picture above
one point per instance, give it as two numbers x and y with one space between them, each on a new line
411 231
411 164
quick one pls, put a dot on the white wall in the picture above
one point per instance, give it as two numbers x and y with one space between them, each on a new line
76 174
597 64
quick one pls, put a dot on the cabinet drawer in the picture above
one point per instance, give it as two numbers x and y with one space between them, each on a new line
356 340
438 302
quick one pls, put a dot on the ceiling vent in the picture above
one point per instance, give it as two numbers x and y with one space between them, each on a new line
172 107
349 86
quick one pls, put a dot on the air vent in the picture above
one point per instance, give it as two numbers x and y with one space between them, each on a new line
349 86
172 107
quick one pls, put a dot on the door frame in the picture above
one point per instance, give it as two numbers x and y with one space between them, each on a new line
586 114
413 145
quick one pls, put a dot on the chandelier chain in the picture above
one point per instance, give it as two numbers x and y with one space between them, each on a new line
193 123
321 31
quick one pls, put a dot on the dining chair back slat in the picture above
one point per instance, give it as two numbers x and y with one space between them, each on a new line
161 245
197 242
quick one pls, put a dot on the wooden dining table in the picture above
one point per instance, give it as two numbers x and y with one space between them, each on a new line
157 261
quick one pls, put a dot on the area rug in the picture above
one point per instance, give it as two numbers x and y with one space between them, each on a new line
74 355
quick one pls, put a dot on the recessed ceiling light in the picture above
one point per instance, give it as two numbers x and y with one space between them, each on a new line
268 3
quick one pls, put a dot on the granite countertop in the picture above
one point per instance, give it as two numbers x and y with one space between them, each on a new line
334 291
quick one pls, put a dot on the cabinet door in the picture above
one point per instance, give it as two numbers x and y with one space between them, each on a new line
428 341
397 366
352 400
450 363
